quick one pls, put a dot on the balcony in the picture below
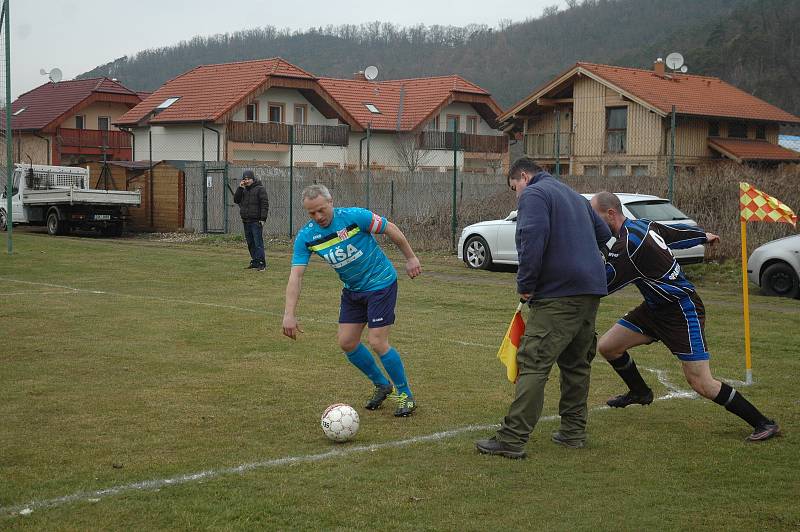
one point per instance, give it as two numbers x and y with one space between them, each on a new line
93 138
543 145
274 133
468 142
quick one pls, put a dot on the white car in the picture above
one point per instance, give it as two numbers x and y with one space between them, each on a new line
775 267
492 242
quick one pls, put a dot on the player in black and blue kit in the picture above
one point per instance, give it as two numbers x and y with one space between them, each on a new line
672 312
343 237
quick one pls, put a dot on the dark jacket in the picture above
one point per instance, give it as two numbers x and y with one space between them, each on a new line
559 238
253 202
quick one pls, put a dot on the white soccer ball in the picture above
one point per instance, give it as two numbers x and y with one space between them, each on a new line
340 422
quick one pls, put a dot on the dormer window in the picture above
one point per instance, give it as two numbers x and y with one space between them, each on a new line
372 109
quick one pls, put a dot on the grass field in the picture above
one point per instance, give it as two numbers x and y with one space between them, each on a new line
129 364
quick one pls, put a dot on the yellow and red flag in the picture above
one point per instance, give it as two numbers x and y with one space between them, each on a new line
756 206
508 349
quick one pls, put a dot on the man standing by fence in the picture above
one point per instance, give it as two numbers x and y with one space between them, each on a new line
343 237
251 197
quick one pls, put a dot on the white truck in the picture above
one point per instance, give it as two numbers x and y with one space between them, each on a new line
60 198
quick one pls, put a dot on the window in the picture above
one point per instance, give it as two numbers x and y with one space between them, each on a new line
372 109
615 170
102 123
713 129
453 123
640 170
761 132
655 210
80 122
616 129
300 113
276 112
472 125
737 130
591 170
251 112
433 125
166 103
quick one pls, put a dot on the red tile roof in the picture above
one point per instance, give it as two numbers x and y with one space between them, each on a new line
208 92
752 150
421 98
48 102
691 95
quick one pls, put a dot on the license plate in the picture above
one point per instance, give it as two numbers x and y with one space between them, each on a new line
102 216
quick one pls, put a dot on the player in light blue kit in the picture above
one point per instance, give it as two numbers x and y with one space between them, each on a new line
343 237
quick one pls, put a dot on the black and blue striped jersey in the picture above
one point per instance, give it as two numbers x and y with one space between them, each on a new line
641 255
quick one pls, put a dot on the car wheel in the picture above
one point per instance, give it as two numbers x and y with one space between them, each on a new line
477 254
780 279
55 225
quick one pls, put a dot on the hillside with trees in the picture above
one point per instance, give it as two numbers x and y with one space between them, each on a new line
750 43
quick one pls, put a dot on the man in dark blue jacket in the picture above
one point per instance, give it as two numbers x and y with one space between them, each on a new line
562 276
251 197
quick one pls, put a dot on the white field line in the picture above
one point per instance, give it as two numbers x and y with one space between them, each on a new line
154 484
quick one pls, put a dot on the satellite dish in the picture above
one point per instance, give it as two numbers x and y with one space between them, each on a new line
56 75
674 60
684 69
42 71
371 72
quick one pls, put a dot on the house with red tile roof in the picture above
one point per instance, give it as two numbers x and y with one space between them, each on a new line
71 122
598 119
270 112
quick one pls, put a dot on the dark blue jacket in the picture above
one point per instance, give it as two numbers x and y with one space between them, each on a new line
559 238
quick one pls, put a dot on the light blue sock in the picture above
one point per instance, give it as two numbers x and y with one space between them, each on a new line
361 358
394 367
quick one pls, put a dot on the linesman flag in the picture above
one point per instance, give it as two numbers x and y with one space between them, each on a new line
508 349
757 206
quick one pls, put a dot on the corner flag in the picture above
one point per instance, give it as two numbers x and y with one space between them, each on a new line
508 349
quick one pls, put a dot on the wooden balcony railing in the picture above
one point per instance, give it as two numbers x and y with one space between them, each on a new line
543 145
93 138
443 140
272 133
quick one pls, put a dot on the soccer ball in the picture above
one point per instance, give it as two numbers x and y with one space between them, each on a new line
339 422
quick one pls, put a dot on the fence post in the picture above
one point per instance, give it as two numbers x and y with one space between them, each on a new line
369 163
225 184
558 142
453 221
6 26
291 179
391 199
671 169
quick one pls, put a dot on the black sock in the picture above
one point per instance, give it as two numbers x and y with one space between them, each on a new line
626 368
735 403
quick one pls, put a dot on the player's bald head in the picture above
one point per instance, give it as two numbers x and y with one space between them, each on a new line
603 201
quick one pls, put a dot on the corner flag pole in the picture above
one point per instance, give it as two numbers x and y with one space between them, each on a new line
748 367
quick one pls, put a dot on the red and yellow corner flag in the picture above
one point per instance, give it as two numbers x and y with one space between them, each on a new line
756 206
508 349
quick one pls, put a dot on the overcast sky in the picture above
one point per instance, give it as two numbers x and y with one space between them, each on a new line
78 35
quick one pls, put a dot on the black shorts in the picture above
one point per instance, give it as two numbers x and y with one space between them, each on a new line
680 326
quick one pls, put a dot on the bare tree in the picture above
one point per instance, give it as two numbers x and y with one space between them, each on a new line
407 148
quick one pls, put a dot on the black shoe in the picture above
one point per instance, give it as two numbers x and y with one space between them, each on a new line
493 446
405 405
379 396
251 267
261 267
631 398
556 437
765 431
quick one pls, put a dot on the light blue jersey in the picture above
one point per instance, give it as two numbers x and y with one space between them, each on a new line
347 244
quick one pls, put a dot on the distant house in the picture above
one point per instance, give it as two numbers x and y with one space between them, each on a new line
253 112
71 122
609 120
411 123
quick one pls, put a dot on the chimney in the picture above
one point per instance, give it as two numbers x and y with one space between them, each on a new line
359 76
658 67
